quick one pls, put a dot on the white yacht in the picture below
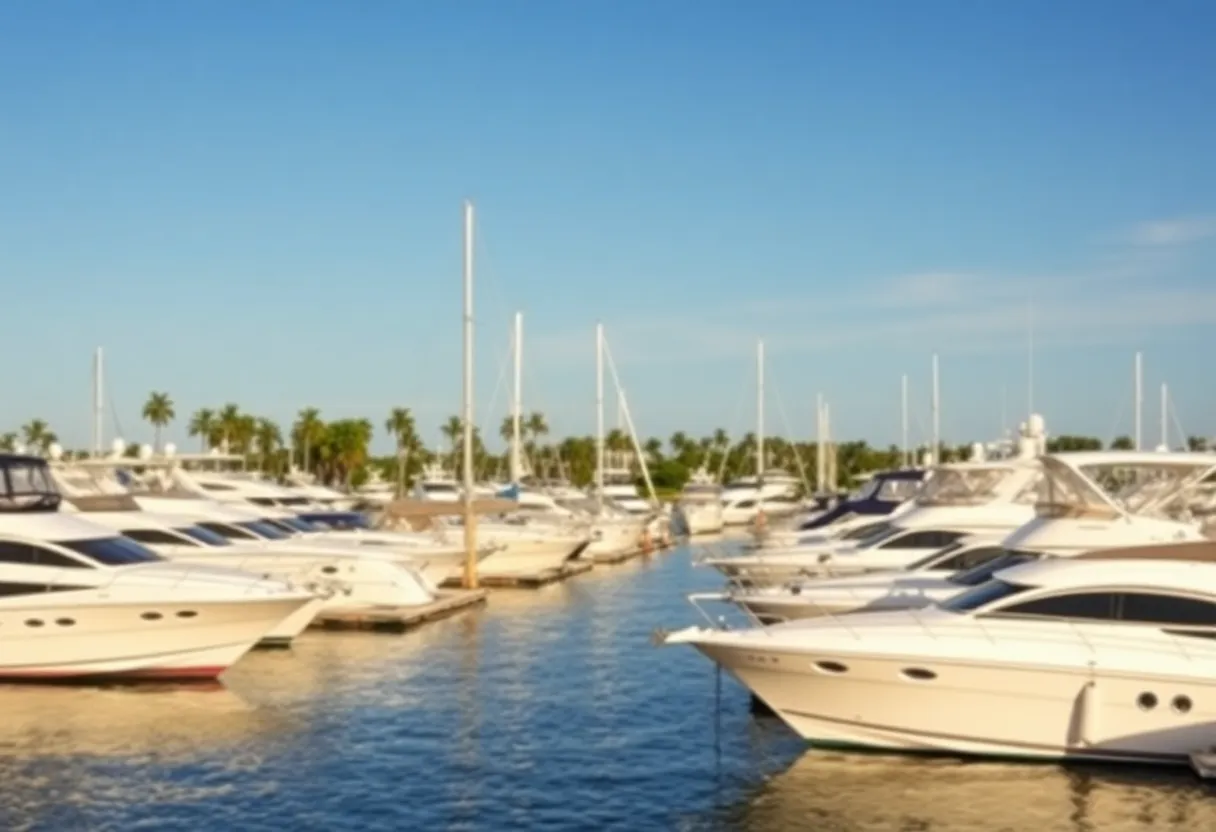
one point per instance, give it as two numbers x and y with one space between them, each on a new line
946 572
776 493
700 507
79 601
959 499
1109 656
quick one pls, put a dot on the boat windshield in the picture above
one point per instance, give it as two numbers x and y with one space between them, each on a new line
263 529
204 536
878 536
984 572
339 520
927 560
1183 491
982 596
969 486
897 490
298 524
229 531
112 551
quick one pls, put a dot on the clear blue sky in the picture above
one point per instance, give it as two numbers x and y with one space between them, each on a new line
260 203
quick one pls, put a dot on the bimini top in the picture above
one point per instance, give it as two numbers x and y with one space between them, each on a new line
885 492
26 484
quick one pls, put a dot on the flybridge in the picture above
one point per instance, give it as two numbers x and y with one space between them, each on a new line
26 484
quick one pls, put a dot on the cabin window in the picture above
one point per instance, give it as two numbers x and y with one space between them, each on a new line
865 530
982 573
982 596
214 486
155 537
14 589
970 558
263 529
230 532
922 540
203 536
746 504
112 551
261 501
1090 606
1147 608
28 555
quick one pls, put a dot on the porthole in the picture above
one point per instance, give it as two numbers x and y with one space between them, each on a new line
186 614
831 667
918 674
65 622
1146 701
151 616
329 570
33 622
1182 704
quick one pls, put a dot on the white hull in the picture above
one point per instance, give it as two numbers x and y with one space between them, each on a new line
283 633
989 709
188 639
613 538
702 518
529 557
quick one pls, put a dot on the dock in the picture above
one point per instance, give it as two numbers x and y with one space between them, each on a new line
399 619
532 580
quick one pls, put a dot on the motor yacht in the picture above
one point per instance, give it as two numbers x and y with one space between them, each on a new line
80 602
1108 656
775 494
700 507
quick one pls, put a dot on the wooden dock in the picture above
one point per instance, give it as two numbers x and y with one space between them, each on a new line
399 619
525 580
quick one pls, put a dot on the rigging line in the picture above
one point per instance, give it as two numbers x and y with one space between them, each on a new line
1113 433
1173 410
725 450
498 386
793 444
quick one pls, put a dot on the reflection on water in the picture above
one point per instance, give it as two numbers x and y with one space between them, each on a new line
846 792
546 709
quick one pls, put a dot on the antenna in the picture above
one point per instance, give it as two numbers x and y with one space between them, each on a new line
599 415
517 402
1165 411
760 413
1030 357
470 523
99 405
1138 397
903 399
820 451
937 427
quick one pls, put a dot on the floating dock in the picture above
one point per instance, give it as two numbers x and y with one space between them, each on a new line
532 580
399 619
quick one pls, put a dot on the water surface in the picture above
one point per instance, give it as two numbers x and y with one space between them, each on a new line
548 709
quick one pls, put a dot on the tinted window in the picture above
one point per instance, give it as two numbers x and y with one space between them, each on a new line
338 519
984 572
230 532
865 530
295 524
204 536
1162 609
746 504
1094 606
982 595
154 537
262 529
931 560
28 555
971 558
112 551
261 501
9 588
923 540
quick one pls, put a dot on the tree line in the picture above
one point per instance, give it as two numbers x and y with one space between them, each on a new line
338 451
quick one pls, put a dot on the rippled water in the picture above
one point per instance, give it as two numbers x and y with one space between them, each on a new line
548 709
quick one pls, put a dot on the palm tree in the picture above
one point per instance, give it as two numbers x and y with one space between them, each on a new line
453 430
158 410
268 438
400 425
308 432
230 416
38 434
203 425
8 442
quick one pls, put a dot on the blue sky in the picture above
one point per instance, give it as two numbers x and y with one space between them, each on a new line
261 203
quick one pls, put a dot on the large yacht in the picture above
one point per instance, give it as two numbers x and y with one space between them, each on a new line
775 494
1109 656
700 508
81 602
960 499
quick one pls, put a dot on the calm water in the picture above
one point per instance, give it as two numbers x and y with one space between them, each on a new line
546 710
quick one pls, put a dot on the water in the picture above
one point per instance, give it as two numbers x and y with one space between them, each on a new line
547 710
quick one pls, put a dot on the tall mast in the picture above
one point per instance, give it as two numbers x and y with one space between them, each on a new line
1138 396
517 400
821 451
470 521
98 405
937 407
599 415
760 412
903 401
1165 409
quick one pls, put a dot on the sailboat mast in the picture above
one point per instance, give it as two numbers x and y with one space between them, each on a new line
1138 396
937 406
599 414
517 400
98 404
470 521
1165 410
760 412
903 418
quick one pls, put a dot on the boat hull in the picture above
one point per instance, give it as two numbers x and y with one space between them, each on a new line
529 557
989 710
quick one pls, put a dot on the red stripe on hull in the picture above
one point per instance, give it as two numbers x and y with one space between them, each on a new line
152 674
